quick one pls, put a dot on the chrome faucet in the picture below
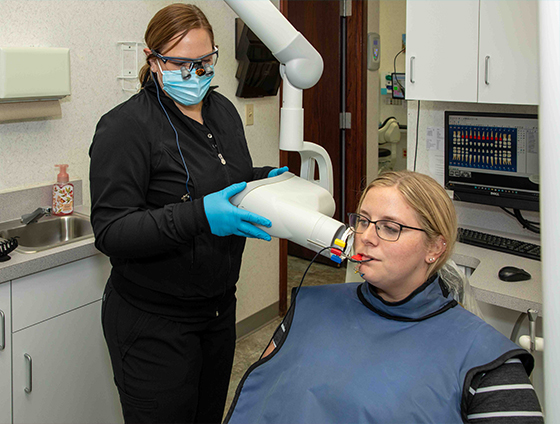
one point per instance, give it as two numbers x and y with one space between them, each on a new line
35 216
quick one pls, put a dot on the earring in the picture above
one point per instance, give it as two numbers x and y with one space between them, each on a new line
432 259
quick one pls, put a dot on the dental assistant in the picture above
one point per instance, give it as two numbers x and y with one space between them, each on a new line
163 166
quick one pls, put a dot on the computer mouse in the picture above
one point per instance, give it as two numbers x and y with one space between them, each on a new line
511 273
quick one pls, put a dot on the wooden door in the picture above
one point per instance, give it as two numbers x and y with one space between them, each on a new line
321 22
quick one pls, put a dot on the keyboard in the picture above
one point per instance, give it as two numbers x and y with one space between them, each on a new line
500 244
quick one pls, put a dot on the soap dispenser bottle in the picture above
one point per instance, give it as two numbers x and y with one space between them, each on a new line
63 193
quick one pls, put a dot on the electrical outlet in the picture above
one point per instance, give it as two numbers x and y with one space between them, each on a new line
249 114
404 153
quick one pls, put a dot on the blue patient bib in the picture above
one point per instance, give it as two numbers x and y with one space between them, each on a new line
351 357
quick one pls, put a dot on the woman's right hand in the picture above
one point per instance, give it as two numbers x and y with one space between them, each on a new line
226 219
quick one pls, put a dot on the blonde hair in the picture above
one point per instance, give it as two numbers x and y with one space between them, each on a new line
172 23
434 209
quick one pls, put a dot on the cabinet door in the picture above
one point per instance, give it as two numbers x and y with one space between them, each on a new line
442 50
41 296
5 355
71 376
508 62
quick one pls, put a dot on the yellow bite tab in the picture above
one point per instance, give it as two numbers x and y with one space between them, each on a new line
340 243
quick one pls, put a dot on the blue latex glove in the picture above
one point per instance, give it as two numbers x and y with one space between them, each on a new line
277 171
226 219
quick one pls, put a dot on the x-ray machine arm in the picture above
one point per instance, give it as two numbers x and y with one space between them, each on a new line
300 209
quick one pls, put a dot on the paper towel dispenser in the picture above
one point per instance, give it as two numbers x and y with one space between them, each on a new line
34 73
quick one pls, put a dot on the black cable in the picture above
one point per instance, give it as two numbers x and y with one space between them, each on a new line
526 224
517 327
417 128
395 60
506 211
395 69
512 214
292 303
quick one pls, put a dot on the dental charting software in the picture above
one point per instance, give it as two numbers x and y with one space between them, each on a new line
491 155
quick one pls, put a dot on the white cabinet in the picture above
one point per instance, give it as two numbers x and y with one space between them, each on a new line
508 60
472 51
61 366
442 50
5 355
71 379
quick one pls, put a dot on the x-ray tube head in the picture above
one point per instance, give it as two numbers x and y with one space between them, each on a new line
300 211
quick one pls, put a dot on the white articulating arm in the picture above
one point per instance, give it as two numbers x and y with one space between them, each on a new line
303 64
299 208
301 68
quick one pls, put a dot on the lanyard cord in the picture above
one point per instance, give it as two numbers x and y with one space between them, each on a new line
188 195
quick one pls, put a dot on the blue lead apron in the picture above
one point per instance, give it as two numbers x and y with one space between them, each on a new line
350 357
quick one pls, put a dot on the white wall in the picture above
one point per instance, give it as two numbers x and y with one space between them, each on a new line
91 29
392 25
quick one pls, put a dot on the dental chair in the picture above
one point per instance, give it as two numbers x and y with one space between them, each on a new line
389 135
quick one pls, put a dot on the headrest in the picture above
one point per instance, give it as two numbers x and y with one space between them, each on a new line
389 131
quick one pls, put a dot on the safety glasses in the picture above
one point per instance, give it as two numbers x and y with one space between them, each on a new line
202 62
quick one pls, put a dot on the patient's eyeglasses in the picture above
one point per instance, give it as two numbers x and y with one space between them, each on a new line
386 230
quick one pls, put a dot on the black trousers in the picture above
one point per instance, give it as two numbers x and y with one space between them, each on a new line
167 371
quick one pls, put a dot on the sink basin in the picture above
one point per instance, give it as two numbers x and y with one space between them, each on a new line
49 232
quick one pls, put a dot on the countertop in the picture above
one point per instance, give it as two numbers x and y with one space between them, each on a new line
488 288
22 264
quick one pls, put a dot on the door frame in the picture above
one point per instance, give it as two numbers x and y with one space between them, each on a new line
355 138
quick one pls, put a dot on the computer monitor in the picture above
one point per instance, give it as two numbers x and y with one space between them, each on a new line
493 159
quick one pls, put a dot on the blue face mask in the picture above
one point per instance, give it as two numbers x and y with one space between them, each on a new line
189 91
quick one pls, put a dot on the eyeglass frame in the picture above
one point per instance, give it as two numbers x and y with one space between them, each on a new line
401 226
182 60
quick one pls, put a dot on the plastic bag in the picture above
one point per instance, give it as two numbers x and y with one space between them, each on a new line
458 284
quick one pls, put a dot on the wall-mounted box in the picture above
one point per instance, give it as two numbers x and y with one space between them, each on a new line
34 73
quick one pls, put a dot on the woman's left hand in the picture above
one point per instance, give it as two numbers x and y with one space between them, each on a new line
277 171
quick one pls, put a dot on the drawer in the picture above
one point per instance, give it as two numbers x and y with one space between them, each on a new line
46 294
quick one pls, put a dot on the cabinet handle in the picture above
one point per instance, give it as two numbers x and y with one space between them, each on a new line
487 70
29 386
412 58
3 330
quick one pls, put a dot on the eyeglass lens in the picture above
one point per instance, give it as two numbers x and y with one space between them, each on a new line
210 60
386 230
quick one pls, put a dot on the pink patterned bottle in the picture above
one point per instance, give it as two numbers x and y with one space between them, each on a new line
63 193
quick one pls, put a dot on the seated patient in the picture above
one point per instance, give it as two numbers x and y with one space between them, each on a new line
396 348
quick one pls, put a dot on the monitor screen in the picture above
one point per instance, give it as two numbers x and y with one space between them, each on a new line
398 84
493 159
